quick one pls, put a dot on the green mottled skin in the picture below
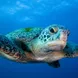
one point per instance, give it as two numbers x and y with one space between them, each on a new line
25 34
28 29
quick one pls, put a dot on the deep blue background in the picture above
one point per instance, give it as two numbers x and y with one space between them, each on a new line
15 14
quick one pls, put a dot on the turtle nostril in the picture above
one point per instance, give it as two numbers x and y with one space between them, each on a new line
64 31
62 27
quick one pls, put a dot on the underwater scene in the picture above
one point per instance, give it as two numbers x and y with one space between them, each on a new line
17 14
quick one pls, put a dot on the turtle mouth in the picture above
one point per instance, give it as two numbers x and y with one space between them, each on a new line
64 35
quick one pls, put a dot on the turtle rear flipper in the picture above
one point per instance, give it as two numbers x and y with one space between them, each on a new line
54 64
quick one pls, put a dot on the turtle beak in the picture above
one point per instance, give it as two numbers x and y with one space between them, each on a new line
68 32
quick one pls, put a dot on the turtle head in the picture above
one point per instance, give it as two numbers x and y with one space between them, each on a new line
54 37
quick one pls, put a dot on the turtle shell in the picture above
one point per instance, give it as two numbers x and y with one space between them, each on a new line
25 34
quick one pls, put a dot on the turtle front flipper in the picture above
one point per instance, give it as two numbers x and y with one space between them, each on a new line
71 50
9 50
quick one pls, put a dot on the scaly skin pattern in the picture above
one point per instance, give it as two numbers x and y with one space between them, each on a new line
24 34
10 50
71 50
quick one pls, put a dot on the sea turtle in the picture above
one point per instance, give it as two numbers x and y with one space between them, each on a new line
32 45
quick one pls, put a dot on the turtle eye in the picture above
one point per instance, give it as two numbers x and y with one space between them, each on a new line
53 30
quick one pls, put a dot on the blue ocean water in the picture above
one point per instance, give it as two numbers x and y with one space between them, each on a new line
15 14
